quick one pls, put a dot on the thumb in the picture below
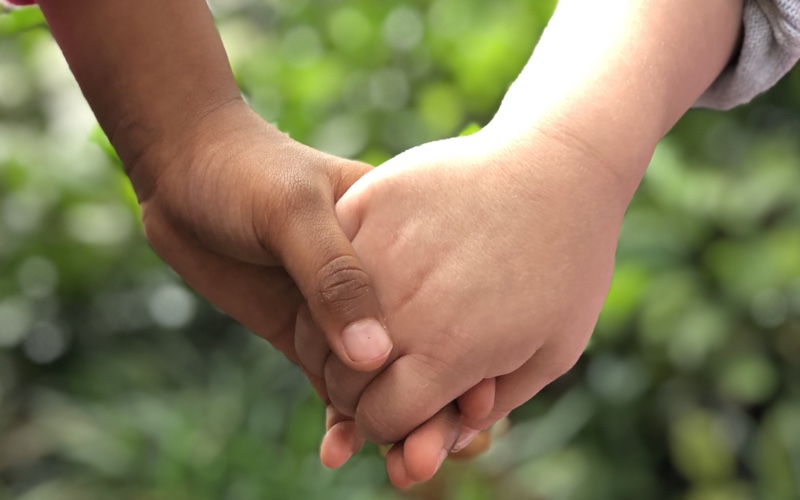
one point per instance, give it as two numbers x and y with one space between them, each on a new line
342 301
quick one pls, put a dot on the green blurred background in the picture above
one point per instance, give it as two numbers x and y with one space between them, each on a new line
116 381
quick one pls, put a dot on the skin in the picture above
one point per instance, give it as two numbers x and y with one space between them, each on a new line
227 200
493 254
231 204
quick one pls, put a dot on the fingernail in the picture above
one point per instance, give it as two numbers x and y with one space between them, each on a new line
442 457
467 435
366 341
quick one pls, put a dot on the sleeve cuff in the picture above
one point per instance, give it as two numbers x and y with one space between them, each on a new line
770 49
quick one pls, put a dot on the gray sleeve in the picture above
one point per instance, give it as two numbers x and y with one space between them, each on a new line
770 48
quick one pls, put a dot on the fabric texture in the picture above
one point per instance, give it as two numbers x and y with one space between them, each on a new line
770 48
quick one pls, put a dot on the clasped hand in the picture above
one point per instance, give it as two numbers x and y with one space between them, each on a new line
491 258
486 259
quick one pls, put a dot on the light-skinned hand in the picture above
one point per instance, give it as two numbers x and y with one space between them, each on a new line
491 258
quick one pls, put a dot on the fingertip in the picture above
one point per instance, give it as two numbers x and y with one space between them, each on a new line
339 444
467 436
427 447
367 345
349 209
396 468
422 458
477 403
332 454
477 445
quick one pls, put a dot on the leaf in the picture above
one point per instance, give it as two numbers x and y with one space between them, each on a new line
97 136
472 128
18 20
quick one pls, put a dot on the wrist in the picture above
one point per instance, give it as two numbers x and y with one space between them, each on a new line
586 151
612 78
149 69
555 173
149 147
135 130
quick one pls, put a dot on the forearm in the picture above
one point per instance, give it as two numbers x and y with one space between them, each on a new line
617 75
148 68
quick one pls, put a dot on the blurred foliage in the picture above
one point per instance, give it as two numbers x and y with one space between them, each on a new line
117 382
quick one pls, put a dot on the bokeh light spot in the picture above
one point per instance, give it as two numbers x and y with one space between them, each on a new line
99 224
172 306
45 343
37 277
403 29
16 317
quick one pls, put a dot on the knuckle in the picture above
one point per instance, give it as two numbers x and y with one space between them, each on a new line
437 364
297 198
339 391
386 419
503 407
425 365
497 414
152 231
156 230
342 284
376 427
302 192
341 403
561 366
